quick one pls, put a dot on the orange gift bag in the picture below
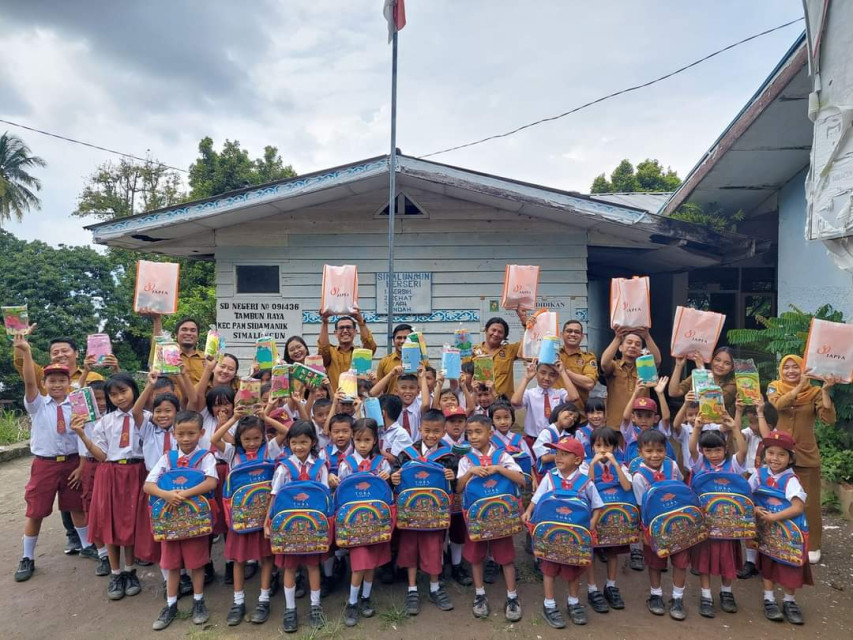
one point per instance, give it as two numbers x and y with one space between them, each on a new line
695 331
630 305
340 289
520 285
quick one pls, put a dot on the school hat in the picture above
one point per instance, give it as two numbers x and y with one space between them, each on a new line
456 411
645 404
569 445
60 369
779 439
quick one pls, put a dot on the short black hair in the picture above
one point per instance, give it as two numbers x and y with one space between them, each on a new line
341 417
342 318
63 340
303 428
468 367
244 424
501 406
189 416
407 377
163 382
712 439
500 321
651 436
167 397
595 404
124 380
391 405
572 321
184 320
216 394
480 419
560 408
368 424
401 327
434 415
96 385
607 435
265 387
430 369
321 403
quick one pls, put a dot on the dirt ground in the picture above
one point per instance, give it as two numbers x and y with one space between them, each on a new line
65 599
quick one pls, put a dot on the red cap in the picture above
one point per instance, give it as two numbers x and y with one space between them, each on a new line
645 404
61 369
779 439
457 411
569 445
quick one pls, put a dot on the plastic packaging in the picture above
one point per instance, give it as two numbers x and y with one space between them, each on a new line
373 410
549 350
748 384
15 319
83 404
167 355
462 340
647 371
348 383
451 363
701 378
362 360
418 338
711 406
98 345
266 353
248 395
306 375
484 369
316 363
410 357
212 342
280 382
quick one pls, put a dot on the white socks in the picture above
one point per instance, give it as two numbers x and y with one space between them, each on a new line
290 597
769 596
550 604
198 597
353 594
455 554
656 591
366 589
265 595
29 543
315 598
591 588
706 593
573 601
83 534
677 592
610 583
239 597
170 600
434 586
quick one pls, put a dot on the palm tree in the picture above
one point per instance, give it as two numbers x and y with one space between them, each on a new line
16 184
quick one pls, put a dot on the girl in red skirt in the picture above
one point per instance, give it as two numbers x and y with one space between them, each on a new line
302 442
250 445
777 473
90 466
708 452
364 560
117 445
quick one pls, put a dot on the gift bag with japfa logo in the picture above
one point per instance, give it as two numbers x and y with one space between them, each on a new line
156 287
695 331
540 324
340 289
520 284
630 306
829 350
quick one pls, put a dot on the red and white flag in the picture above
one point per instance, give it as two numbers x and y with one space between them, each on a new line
395 13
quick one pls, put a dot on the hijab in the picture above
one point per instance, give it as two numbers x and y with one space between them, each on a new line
781 387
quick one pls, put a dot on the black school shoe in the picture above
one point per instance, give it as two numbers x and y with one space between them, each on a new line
91 552
656 606
637 562
185 585
200 614
366 607
706 608
553 617
167 614
441 600
26 568
236 614
676 609
317 617
103 568
261 613
614 598
459 572
72 544
577 614
209 573
772 611
792 613
115 588
131 583
351 615
597 602
412 604
229 573
747 571
727 602
289 623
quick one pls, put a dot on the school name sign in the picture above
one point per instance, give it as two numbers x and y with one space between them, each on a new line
412 292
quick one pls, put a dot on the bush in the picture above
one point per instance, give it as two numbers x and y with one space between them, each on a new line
837 467
14 427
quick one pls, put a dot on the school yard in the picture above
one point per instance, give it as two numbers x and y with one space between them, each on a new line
65 599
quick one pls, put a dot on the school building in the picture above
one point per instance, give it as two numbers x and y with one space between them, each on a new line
456 230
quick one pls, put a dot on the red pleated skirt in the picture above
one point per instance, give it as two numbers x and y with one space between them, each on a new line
784 575
294 561
242 547
369 557
219 524
717 558
87 482
146 548
115 503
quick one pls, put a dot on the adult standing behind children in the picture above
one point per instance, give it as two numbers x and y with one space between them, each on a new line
186 335
581 366
621 373
395 358
799 404
338 359
722 368
503 353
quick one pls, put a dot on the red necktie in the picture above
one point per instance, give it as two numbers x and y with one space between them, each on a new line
658 476
167 442
406 424
771 482
566 484
606 475
124 441
60 421
485 461
184 461
364 465
340 457
303 472
546 401
251 455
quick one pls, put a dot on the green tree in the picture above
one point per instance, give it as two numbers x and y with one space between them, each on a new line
16 183
217 172
710 215
649 176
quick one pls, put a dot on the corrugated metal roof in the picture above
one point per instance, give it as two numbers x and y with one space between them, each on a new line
651 202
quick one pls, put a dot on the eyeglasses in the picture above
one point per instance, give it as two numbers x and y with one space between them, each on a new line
347 328
576 332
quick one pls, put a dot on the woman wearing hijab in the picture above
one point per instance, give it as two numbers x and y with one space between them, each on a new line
799 404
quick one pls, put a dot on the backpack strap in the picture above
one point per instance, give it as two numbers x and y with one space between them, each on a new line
376 463
197 457
442 451
577 483
413 453
497 454
173 459
243 457
315 469
291 468
473 458
351 463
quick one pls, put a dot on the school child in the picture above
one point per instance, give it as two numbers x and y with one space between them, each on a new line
389 363
606 470
540 400
423 549
566 475
364 560
321 409
393 438
117 494
454 427
300 465
340 445
655 468
760 418
479 432
777 473
503 417
250 444
682 428
641 413
485 395
55 455
595 410
454 438
708 451
563 422
408 388
192 554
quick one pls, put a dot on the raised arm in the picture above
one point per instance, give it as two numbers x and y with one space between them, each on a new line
694 438
379 388
144 398
610 352
28 371
646 335
203 382
733 425
518 395
675 379
664 405
324 347
568 382
364 333
221 430
425 389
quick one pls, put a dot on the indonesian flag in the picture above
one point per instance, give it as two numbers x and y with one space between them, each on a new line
395 13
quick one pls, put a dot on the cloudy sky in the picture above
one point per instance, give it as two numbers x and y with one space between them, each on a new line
312 77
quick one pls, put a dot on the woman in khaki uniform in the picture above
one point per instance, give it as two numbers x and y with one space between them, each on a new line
799 405
722 368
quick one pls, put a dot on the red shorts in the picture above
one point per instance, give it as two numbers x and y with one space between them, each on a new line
458 530
242 547
502 549
294 561
115 503
567 572
423 550
47 479
185 554
717 558
784 575
87 482
680 560
370 557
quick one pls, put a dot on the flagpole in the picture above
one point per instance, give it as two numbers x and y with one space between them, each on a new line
392 191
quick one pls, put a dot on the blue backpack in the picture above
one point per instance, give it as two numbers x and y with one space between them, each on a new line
423 495
584 435
785 541
726 499
522 459
491 505
192 518
561 519
302 512
364 508
672 518
619 519
544 467
246 494
332 459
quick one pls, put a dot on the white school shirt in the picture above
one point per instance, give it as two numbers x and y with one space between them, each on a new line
211 425
81 446
414 412
584 469
589 491
548 435
207 465
450 442
282 473
697 466
641 486
793 489
752 441
44 440
506 461
230 454
344 469
507 438
395 439
534 401
336 451
323 440
153 440
629 434
107 435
